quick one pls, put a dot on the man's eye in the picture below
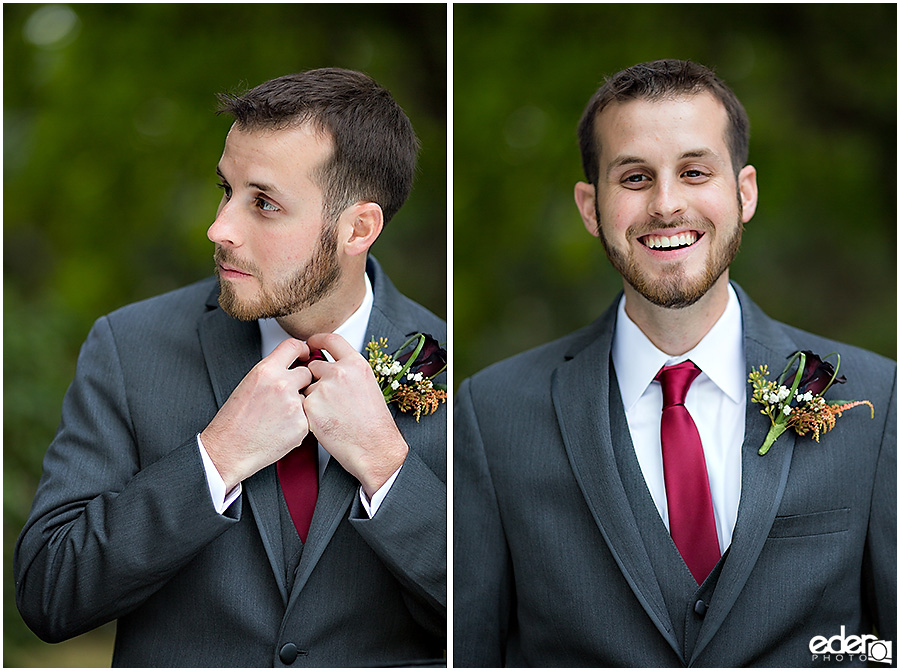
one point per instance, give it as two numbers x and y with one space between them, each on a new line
226 189
694 174
635 180
265 205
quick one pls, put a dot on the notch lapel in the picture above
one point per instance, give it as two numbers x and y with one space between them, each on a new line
338 488
763 478
580 390
231 348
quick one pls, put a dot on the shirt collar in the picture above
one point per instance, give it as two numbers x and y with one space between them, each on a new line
720 354
353 329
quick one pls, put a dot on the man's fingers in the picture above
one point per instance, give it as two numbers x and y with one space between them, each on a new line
334 344
308 389
303 378
288 351
291 354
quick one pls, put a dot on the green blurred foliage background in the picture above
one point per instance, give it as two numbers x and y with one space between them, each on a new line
110 145
820 86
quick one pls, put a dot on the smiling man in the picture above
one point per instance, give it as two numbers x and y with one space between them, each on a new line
227 481
613 504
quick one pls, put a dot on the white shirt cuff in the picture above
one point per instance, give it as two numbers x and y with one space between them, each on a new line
216 484
377 497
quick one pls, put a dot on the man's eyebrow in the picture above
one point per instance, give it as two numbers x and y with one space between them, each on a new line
268 188
701 152
622 161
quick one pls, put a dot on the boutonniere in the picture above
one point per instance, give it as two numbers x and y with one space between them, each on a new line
801 406
406 377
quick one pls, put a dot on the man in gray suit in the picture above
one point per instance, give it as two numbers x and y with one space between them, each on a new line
173 499
612 507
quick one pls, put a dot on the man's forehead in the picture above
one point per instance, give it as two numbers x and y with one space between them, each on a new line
306 133
703 99
275 152
304 125
700 119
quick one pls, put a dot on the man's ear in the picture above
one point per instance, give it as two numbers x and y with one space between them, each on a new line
748 192
585 197
361 226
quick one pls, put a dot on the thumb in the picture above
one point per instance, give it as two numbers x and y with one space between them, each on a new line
288 352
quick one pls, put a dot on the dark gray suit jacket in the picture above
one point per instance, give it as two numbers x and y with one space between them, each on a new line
561 559
122 525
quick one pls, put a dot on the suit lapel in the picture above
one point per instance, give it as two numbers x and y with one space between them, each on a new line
338 488
763 479
580 392
231 349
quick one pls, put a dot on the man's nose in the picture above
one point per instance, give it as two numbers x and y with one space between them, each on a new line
225 230
668 200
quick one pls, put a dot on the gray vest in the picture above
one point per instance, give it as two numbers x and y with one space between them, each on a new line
685 601
291 543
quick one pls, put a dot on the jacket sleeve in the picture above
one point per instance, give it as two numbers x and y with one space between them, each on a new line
880 559
482 578
106 529
409 531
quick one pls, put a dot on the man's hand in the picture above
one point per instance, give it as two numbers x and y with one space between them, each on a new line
263 419
348 415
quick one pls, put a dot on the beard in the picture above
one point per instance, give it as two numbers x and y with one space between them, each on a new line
673 289
306 287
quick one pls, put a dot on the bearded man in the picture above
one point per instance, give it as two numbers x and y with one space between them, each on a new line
620 498
226 494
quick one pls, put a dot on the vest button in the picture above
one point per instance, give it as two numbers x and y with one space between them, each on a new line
288 653
701 607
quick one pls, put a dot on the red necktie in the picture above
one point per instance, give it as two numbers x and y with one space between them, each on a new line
298 473
691 519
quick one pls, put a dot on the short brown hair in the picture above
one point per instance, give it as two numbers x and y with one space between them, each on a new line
375 147
654 81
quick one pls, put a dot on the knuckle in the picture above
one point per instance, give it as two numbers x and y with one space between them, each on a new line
360 367
326 425
268 375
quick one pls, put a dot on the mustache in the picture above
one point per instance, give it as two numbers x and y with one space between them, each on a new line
654 225
226 257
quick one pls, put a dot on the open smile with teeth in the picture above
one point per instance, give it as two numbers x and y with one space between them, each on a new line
670 242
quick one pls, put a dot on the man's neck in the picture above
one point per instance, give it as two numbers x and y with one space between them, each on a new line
677 330
330 312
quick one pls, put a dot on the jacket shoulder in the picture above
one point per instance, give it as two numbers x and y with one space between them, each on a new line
167 310
403 312
866 372
868 375
416 317
530 372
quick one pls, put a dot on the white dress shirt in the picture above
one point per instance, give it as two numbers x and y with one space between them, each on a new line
353 330
716 401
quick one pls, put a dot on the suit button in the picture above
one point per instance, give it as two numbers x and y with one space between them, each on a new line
701 607
288 653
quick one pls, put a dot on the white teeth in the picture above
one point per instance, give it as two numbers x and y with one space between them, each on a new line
665 242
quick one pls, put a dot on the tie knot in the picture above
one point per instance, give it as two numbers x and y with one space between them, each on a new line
676 380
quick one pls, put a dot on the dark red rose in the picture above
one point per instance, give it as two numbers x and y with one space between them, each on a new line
431 360
817 375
